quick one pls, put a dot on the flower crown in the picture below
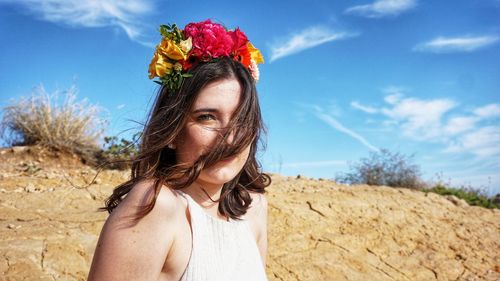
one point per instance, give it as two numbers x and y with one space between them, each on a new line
180 50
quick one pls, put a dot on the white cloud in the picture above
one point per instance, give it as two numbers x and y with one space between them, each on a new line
332 122
459 124
456 44
419 119
306 39
392 99
488 111
393 94
90 13
427 120
483 142
382 8
364 108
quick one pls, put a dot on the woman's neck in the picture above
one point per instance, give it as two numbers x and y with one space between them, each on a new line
204 194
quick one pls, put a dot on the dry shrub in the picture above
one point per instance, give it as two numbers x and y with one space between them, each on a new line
385 168
73 125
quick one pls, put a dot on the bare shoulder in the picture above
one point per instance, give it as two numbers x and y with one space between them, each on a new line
142 193
166 207
257 216
136 251
257 213
259 203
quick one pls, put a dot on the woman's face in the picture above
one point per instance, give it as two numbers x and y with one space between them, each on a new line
210 114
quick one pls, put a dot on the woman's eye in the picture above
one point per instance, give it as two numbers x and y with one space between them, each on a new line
205 117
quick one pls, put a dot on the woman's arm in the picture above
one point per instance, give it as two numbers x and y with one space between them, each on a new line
135 252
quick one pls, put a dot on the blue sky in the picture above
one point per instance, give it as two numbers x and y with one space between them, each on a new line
340 80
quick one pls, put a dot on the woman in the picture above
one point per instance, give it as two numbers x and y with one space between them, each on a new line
194 207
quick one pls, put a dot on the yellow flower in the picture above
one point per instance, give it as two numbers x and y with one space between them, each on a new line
186 45
255 53
159 66
167 52
168 48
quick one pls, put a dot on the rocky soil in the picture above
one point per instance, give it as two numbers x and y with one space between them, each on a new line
318 230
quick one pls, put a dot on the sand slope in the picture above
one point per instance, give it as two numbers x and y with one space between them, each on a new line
318 230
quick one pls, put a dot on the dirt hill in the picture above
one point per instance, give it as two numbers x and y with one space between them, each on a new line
318 230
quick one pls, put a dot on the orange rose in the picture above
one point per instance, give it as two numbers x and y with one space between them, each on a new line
159 66
169 49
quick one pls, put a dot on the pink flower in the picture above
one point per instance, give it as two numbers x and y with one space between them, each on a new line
210 40
254 70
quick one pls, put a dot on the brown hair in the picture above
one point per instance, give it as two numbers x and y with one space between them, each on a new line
166 120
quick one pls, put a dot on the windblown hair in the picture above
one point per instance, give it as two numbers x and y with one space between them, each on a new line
170 112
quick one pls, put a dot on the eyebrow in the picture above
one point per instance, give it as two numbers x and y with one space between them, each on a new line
205 110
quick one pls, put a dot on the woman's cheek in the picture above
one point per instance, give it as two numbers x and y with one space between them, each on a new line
244 156
205 139
200 140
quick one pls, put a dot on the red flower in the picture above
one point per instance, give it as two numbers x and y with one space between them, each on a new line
210 40
240 51
239 39
243 55
186 64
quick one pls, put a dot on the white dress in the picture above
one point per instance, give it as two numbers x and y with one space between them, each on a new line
222 250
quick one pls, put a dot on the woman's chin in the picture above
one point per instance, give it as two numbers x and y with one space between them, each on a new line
218 175
224 170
